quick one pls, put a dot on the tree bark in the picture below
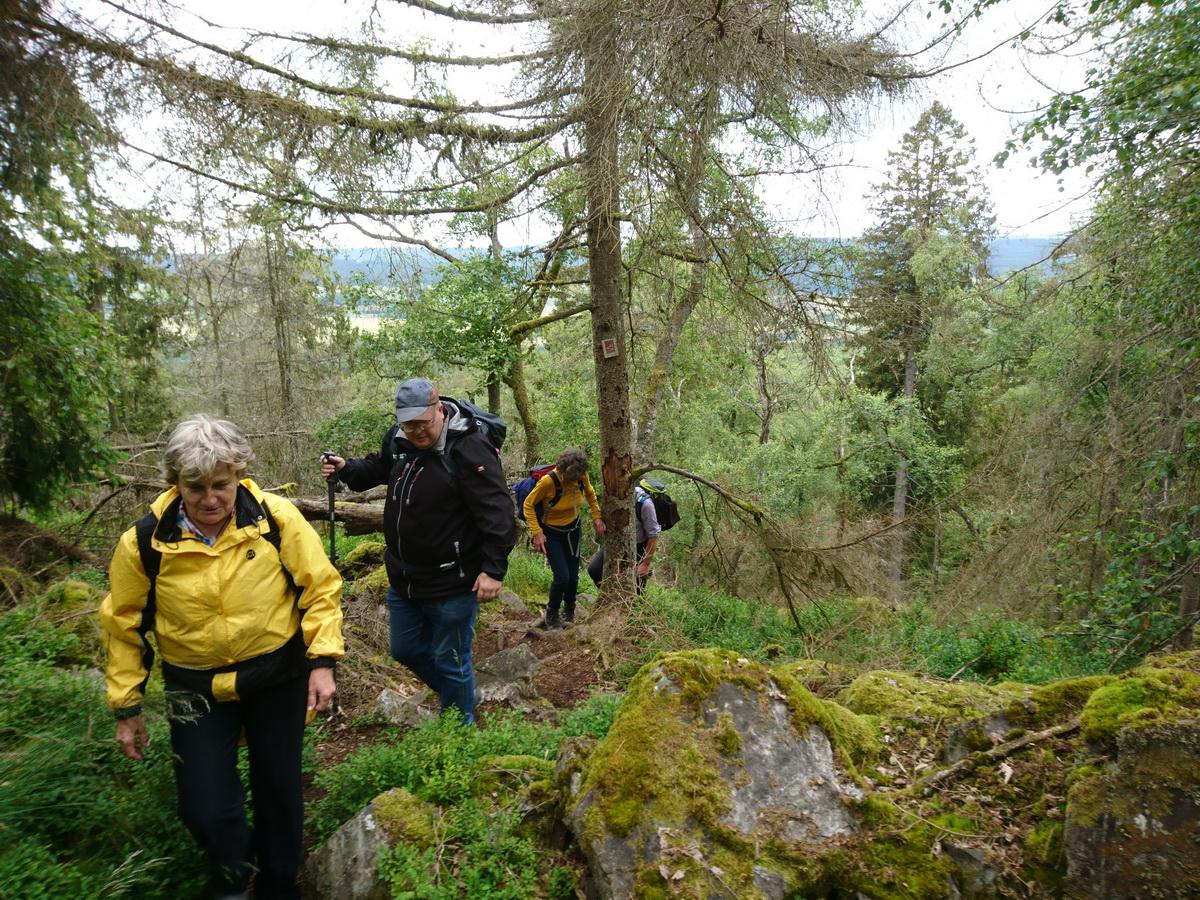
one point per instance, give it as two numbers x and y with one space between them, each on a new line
900 494
610 342
515 379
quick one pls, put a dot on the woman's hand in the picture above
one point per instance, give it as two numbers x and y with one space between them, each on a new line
133 736
539 542
320 688
599 525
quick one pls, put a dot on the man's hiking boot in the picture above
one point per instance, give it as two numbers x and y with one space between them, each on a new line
568 619
549 621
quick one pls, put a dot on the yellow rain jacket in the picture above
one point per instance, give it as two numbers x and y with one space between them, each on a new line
566 510
222 607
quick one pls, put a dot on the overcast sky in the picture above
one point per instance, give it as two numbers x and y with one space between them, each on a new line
991 96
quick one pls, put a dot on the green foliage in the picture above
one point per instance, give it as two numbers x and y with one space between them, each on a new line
355 432
436 762
481 856
80 819
54 378
479 850
1134 609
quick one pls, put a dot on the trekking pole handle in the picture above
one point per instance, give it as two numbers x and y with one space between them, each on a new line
331 481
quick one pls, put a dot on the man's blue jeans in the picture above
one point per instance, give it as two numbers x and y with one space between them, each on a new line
433 638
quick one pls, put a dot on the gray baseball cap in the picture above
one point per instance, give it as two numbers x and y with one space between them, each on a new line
413 397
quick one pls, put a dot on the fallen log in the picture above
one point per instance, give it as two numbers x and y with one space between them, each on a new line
356 518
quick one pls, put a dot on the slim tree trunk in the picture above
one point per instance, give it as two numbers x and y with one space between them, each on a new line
900 494
279 315
601 102
515 379
214 321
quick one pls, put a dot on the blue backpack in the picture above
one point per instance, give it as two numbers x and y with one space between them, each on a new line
522 488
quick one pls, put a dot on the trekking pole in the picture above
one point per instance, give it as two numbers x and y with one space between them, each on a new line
331 483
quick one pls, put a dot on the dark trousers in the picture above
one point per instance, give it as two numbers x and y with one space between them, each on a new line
434 638
595 568
204 737
562 553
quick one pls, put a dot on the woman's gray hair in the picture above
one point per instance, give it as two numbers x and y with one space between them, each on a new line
200 445
572 463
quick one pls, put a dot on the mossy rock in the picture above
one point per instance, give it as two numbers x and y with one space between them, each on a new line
73 605
373 586
498 774
406 818
724 770
910 698
364 556
1132 830
825 679
1162 690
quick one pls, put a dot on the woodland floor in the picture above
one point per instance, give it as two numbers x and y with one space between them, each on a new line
571 662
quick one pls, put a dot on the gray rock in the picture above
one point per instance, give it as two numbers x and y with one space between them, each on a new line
780 780
976 877
777 785
344 866
398 709
513 602
965 738
507 677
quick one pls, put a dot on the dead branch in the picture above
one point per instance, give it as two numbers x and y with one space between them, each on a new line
997 753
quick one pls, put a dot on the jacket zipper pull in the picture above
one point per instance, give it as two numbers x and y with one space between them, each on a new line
457 556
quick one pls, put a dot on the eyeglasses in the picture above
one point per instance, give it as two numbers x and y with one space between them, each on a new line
418 424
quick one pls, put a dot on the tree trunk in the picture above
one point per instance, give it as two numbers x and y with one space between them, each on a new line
668 341
214 321
515 379
601 105
282 336
900 494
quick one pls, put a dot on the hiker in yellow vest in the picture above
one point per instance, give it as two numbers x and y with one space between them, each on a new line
552 511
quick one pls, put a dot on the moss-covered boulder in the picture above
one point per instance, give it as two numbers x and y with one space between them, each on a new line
719 778
369 588
1133 829
346 866
911 698
365 556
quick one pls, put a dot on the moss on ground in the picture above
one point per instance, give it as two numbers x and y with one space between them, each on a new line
907 697
406 818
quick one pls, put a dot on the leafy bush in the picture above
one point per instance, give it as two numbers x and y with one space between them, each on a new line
80 819
480 852
355 432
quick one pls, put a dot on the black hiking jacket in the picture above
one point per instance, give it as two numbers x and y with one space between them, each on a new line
445 520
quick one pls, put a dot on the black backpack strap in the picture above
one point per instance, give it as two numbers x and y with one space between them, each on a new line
275 540
557 489
151 562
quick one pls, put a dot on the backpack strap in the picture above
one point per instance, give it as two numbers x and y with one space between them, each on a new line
151 562
557 489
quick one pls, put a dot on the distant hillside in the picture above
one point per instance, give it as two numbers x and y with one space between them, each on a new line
379 266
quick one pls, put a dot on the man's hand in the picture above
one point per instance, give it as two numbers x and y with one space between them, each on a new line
320 688
539 543
643 569
600 527
133 736
487 587
331 464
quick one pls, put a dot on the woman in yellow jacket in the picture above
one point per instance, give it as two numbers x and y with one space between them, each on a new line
245 611
552 511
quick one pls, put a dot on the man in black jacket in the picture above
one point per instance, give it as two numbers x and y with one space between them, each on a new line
448 525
